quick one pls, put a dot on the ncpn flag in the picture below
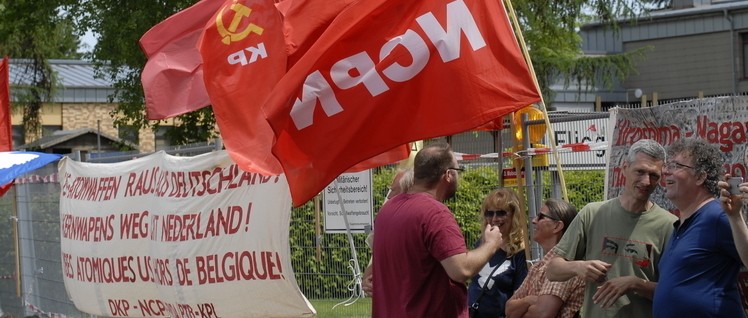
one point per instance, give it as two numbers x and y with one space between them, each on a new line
387 72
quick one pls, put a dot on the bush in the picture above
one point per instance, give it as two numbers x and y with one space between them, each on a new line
328 275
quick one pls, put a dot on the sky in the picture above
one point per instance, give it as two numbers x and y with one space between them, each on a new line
90 40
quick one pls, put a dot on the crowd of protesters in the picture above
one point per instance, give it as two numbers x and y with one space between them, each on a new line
623 257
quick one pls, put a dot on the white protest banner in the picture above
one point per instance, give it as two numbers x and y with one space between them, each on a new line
722 121
177 236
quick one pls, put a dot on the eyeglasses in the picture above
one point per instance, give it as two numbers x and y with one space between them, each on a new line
674 165
546 216
460 169
490 214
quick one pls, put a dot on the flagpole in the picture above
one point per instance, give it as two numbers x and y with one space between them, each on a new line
317 229
16 242
517 162
549 129
356 288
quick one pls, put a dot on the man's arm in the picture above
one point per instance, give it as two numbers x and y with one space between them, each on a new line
607 294
733 206
560 270
740 235
367 283
461 267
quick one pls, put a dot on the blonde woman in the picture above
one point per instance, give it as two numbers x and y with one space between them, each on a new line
496 282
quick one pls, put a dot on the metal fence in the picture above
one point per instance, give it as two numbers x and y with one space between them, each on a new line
33 205
30 246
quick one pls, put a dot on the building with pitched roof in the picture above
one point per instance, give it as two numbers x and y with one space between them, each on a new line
79 109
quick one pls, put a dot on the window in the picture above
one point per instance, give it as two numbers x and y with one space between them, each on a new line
162 142
129 133
744 42
49 130
18 136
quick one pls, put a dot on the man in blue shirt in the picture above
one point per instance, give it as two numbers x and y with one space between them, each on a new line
699 268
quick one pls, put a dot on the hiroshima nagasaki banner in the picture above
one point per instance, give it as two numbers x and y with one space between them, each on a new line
722 121
177 236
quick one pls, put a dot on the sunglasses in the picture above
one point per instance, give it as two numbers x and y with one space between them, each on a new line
546 216
490 214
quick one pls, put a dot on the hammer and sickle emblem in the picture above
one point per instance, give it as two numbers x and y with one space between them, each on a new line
230 34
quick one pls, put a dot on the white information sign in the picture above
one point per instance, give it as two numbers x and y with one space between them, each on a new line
355 190
581 131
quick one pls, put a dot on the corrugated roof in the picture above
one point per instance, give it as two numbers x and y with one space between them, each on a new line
76 78
716 6
61 136
70 73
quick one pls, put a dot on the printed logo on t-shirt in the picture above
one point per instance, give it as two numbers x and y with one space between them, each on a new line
639 252
487 269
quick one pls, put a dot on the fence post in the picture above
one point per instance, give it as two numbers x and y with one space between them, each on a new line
529 184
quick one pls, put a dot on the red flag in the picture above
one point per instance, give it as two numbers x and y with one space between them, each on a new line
6 129
243 54
241 74
172 78
304 22
496 124
387 72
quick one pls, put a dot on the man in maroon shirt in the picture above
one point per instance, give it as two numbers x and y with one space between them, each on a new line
421 262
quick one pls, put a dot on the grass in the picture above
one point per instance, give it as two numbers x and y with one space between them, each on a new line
361 308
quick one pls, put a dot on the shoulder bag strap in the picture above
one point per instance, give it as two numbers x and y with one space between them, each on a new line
483 289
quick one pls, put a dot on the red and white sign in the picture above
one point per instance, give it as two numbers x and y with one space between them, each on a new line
721 121
179 237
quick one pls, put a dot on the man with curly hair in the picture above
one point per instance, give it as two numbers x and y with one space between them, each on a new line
700 266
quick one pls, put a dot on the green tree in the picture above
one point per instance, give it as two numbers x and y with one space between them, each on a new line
35 33
550 29
117 57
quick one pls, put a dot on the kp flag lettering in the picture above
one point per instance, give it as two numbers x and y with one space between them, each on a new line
387 72
243 53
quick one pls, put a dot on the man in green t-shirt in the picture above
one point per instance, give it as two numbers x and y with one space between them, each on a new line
615 245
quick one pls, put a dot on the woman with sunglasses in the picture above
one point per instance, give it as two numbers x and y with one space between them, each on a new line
538 296
503 274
